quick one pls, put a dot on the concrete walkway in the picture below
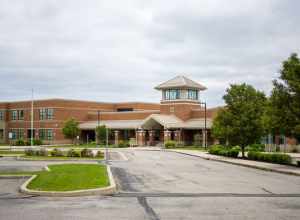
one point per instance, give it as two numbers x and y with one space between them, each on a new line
247 163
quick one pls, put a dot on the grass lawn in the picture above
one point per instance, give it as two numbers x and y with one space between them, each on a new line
67 177
81 146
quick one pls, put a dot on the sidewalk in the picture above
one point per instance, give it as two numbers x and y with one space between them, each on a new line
247 163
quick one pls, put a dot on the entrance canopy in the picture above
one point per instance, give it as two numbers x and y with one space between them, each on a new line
112 124
155 121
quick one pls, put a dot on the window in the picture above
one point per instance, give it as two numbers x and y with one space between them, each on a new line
1 115
1 134
172 94
17 133
46 114
14 115
46 134
124 109
192 94
17 115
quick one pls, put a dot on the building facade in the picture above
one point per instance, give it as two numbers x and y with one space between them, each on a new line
179 116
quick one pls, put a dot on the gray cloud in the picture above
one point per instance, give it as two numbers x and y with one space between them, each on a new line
104 51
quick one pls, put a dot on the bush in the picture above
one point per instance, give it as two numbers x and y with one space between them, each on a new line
37 142
170 144
256 147
100 154
123 143
224 151
270 157
56 153
20 142
73 153
30 152
86 153
41 152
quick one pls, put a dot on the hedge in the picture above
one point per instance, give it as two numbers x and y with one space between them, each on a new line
170 144
270 157
224 151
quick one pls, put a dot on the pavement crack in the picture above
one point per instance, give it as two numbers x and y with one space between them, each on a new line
264 189
148 209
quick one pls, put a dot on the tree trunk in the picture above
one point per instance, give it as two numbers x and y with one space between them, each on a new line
243 152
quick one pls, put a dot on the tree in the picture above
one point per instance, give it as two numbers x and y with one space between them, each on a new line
71 129
101 133
240 122
284 110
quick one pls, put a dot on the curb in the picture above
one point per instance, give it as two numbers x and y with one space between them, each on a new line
109 190
239 164
14 176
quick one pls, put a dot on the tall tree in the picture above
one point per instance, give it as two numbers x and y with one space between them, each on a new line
240 122
284 111
101 133
71 129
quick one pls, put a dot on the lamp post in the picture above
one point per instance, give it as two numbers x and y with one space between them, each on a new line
205 125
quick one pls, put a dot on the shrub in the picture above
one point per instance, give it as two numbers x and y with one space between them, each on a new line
123 143
37 142
270 157
30 152
86 153
56 153
73 153
100 154
256 147
224 151
170 144
20 142
42 152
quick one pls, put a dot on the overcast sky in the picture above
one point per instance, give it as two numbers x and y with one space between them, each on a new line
119 50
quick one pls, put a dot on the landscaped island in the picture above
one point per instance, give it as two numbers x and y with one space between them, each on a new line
69 177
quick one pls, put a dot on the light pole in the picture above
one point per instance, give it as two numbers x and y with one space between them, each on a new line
205 126
98 122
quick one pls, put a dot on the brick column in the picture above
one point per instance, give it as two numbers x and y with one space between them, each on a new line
177 136
151 137
116 137
167 135
141 138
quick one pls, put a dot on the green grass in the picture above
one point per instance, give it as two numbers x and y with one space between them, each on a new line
61 158
82 146
68 177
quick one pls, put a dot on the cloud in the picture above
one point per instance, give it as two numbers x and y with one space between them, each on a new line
108 51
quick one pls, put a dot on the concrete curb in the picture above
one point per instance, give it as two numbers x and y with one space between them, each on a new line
14 176
239 164
109 190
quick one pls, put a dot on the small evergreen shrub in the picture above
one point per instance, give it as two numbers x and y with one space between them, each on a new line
20 142
73 153
100 154
170 144
278 158
57 153
123 143
37 142
224 151
86 153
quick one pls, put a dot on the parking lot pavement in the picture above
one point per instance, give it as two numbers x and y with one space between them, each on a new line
164 185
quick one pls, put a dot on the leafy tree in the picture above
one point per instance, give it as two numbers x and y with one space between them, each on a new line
284 109
240 122
71 129
101 133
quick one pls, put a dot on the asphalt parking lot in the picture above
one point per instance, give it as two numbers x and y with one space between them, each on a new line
165 185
